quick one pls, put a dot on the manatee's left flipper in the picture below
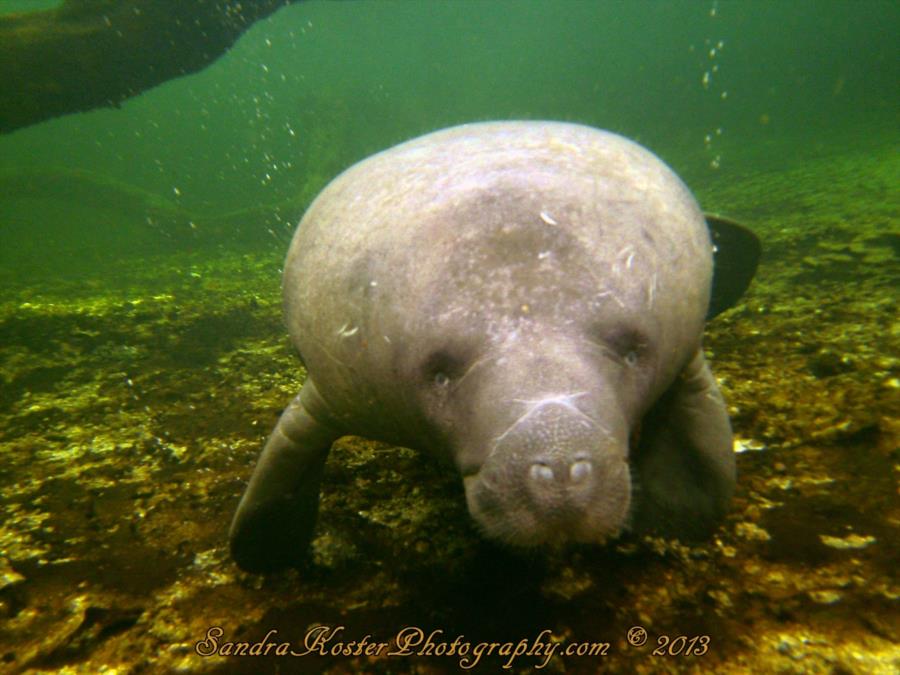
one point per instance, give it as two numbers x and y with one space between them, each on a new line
736 254
684 462
275 519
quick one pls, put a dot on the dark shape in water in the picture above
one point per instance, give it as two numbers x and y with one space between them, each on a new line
83 55
736 256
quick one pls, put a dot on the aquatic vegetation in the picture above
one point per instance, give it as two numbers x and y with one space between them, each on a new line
133 403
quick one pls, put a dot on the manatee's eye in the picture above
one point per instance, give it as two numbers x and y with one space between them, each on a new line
629 344
441 367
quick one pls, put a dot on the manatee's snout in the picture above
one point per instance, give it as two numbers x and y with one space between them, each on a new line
555 475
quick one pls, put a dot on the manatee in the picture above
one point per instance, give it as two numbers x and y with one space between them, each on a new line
525 301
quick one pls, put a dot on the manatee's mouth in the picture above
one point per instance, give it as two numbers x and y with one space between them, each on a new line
532 510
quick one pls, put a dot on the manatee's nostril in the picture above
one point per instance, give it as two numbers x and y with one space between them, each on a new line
580 471
540 471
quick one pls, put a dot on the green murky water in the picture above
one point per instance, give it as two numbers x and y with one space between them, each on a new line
143 358
20 6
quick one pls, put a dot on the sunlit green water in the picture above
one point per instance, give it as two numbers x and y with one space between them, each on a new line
15 6
713 87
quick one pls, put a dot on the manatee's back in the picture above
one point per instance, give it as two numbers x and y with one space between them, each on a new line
368 266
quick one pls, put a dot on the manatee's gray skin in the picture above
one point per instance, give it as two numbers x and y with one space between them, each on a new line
524 299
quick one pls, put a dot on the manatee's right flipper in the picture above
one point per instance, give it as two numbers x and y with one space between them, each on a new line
736 253
684 461
274 521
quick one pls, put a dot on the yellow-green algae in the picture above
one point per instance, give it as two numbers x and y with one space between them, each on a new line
134 404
